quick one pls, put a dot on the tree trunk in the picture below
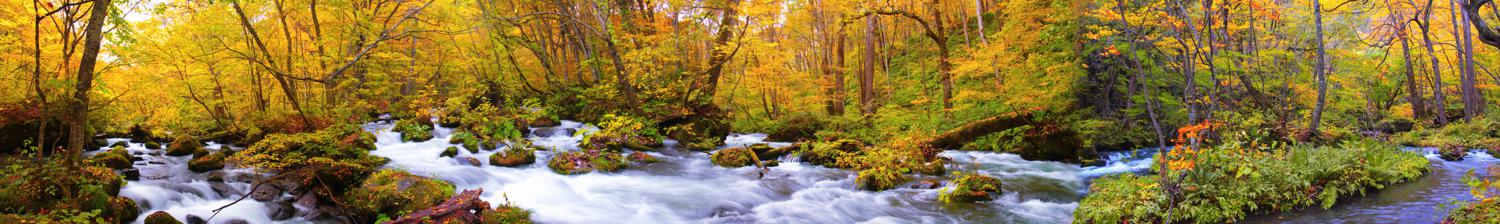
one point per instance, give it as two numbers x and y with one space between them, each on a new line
720 57
867 72
1487 34
78 108
1473 99
1414 94
1321 72
1437 72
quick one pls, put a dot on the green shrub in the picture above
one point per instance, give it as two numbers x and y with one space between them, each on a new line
619 132
51 190
1230 181
879 179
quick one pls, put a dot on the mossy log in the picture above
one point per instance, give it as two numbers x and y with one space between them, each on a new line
462 208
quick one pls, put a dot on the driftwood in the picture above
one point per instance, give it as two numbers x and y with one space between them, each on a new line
462 208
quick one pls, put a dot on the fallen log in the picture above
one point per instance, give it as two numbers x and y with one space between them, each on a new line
1044 141
462 208
956 137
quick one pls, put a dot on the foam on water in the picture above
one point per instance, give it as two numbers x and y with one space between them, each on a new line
167 185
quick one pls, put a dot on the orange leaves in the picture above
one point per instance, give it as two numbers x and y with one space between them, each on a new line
1183 154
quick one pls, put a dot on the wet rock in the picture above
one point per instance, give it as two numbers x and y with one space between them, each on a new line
770 163
308 200
236 221
156 163
878 179
200 152
224 189
641 157
281 210
112 160
153 145
154 153
927 184
216 176
579 162
124 208
161 217
194 219
131 174
470 161
120 144
265 193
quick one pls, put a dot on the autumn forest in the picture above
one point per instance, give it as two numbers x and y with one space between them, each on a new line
749 111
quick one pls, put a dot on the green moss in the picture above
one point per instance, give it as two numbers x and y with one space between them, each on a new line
183 145
153 145
818 155
451 151
1229 181
394 193
879 179
414 130
971 187
125 209
733 157
513 157
578 162
506 214
212 161
161 217
336 158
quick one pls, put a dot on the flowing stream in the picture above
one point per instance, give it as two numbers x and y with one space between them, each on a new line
685 187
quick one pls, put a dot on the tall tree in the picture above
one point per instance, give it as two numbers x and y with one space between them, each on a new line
1320 72
78 108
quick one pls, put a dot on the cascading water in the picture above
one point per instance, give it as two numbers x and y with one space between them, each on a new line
685 187
166 184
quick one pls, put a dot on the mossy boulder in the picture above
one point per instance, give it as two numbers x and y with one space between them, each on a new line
879 179
392 193
117 158
623 132
161 217
733 157
183 145
513 157
642 157
1452 153
451 151
578 162
120 144
124 209
153 145
971 188
820 155
210 162
415 129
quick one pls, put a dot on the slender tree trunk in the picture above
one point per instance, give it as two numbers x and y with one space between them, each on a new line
84 81
1438 103
1321 72
867 72
36 80
1414 94
286 86
1474 99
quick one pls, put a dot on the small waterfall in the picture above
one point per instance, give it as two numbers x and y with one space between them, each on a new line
166 184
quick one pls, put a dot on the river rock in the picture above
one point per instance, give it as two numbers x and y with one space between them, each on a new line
161 217
236 221
265 193
216 176
281 210
1452 153
470 161
194 219
131 174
